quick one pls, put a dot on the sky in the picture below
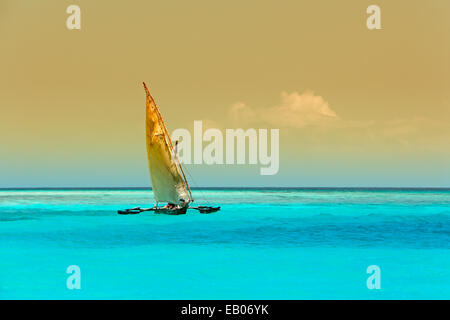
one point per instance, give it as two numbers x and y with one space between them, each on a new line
354 107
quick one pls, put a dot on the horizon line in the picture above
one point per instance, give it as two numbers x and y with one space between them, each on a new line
227 188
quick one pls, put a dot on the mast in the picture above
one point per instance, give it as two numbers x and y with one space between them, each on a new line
168 136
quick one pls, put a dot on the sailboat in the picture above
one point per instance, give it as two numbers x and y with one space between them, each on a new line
169 183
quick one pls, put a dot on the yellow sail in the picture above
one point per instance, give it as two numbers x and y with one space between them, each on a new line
168 181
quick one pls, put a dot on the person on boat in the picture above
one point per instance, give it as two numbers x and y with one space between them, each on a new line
170 206
183 203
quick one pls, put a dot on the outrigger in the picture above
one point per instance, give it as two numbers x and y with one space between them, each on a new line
169 183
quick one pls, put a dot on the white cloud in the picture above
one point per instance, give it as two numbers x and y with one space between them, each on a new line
295 111
240 111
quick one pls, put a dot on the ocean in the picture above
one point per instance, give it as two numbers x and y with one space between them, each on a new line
263 244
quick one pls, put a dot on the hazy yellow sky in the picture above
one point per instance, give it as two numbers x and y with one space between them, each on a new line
355 107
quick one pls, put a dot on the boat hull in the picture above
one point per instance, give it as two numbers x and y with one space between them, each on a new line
173 212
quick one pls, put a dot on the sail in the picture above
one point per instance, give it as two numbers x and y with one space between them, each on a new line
168 184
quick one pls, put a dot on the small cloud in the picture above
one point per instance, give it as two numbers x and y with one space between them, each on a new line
240 111
295 111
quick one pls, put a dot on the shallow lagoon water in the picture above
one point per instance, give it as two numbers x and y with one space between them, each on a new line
263 244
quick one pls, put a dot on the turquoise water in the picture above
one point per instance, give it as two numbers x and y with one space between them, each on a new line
263 244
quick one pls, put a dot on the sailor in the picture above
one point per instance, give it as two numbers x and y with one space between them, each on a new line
170 206
183 203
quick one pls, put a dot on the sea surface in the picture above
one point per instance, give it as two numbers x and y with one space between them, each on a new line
263 244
